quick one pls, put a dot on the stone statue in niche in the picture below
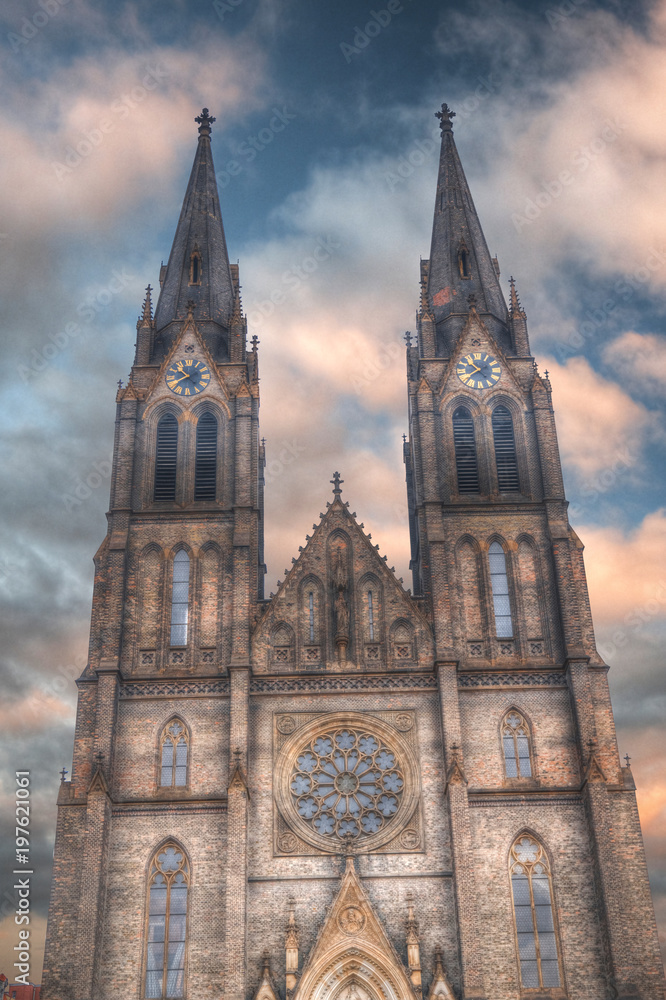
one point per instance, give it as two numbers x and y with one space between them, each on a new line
341 609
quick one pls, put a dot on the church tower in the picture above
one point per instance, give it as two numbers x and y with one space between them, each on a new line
344 791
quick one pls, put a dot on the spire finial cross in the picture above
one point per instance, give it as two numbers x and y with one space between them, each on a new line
204 121
627 758
63 774
255 343
120 383
408 338
445 118
336 484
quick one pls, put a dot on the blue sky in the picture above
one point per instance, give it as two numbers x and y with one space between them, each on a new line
325 135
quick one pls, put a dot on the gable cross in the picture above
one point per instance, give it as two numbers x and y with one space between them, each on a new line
445 118
336 484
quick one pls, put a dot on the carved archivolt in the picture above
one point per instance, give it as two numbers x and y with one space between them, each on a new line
346 776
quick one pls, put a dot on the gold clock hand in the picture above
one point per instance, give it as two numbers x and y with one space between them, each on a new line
177 380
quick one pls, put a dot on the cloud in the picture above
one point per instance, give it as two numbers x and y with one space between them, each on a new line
639 358
626 572
600 427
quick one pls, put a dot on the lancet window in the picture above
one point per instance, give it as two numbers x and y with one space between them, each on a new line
505 450
173 755
464 443
167 924
536 931
516 745
205 463
166 454
180 598
500 588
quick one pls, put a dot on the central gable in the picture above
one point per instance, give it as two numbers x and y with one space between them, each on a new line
340 608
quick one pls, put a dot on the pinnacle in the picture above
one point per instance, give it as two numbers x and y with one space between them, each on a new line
147 308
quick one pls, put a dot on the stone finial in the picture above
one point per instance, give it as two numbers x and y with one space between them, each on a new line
204 121
445 118
336 481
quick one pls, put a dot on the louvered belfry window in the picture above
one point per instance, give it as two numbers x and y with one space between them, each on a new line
166 455
205 466
465 450
505 451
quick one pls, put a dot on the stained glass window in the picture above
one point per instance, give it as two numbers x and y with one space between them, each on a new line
536 933
516 744
174 750
500 587
347 782
167 924
180 598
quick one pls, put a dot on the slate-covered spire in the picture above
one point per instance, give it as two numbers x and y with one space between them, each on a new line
198 267
460 262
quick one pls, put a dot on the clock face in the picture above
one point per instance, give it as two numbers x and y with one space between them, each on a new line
479 370
188 377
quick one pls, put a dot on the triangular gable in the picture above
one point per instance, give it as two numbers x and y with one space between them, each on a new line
189 341
266 989
475 336
353 950
400 626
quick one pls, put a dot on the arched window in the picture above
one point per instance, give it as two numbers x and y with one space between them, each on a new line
167 924
505 450
465 451
371 617
173 755
311 618
195 268
205 463
533 911
500 587
180 598
464 262
516 745
166 454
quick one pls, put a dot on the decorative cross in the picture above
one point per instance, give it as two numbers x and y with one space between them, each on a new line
627 758
336 484
408 338
204 122
445 117
404 439
63 774
471 299
255 343
120 383
99 757
546 373
191 306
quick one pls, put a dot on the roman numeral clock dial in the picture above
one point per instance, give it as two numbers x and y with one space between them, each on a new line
187 378
479 370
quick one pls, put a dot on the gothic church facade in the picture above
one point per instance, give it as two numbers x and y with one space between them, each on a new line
349 790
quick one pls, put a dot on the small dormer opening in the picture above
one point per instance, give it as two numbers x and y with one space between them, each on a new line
195 268
464 262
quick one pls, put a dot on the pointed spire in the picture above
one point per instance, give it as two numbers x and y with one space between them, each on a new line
198 267
515 307
460 262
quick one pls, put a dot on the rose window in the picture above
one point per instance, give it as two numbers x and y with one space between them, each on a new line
347 782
